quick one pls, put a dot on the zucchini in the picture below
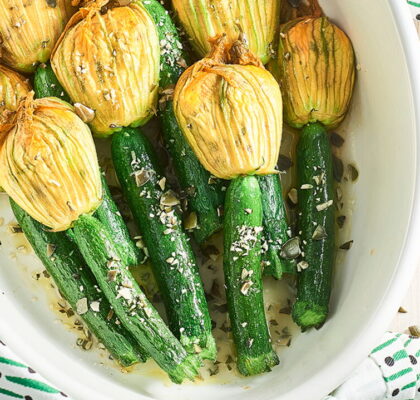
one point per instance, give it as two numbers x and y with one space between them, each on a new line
174 264
316 226
46 84
275 227
65 264
130 304
111 218
204 193
242 267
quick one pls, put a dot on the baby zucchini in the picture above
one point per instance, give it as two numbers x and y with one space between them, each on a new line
65 264
129 303
154 208
316 226
242 267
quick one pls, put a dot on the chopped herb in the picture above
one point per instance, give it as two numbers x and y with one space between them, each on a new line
336 139
286 310
82 306
414 331
352 172
324 206
291 249
245 287
306 186
284 163
347 245
341 219
190 221
169 198
293 196
302 265
319 233
50 249
15 228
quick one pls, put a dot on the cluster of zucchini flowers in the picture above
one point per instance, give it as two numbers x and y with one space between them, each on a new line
118 63
315 68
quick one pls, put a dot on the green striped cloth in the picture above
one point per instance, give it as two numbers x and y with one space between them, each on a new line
392 371
18 381
415 11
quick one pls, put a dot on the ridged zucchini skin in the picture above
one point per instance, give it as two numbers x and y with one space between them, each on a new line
242 264
69 271
111 218
130 304
174 264
46 84
204 198
275 226
314 158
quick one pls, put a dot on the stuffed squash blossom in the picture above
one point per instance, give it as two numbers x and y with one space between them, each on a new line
30 29
51 151
316 71
256 20
227 106
229 109
13 88
108 60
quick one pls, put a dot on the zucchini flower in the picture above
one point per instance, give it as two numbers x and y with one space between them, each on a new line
229 109
13 88
108 60
30 29
48 163
256 20
316 72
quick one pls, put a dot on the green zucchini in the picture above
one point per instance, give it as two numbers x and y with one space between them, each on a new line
46 84
174 264
65 264
111 218
316 226
275 227
242 267
129 303
204 193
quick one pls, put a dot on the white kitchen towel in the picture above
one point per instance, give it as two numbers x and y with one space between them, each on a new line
392 371
415 11
19 381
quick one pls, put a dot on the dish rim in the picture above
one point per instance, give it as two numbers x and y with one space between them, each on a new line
361 345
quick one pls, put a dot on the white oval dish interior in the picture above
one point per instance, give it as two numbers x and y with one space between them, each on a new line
369 283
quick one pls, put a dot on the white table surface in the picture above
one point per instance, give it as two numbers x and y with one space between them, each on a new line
411 303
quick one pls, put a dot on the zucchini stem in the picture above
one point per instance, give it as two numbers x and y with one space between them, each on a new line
242 268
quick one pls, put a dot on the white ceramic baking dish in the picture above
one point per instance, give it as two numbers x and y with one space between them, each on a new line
382 135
